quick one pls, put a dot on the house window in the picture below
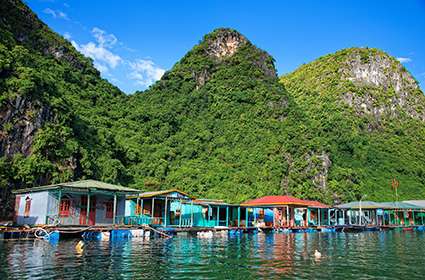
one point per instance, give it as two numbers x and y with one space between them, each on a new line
64 207
27 206
109 209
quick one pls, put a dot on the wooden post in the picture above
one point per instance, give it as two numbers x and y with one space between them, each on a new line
191 213
287 216
413 217
218 215
88 208
153 209
166 206
246 217
141 207
239 216
227 216
59 200
114 209
319 218
181 213
137 210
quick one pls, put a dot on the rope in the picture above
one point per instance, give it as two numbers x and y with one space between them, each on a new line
160 232
45 236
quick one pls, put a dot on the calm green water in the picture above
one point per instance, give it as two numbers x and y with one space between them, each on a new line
377 255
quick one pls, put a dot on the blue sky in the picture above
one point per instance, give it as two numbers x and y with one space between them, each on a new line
134 42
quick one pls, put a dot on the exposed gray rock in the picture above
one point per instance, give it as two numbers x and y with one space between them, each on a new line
225 43
380 74
22 117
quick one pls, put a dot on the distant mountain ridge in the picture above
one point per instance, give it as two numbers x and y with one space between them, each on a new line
219 124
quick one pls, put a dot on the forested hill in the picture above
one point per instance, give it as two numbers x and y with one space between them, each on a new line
219 124
55 110
367 113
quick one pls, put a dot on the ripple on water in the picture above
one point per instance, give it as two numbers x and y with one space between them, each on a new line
369 255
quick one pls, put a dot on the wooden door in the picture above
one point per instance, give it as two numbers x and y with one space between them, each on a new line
83 210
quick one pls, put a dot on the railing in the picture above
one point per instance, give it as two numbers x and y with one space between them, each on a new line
58 220
134 220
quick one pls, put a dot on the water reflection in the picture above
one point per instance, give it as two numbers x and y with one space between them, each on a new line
381 255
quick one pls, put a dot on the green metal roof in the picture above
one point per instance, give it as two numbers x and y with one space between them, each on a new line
160 193
83 185
378 205
420 203
399 205
356 205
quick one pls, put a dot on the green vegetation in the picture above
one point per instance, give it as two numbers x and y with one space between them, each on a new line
218 126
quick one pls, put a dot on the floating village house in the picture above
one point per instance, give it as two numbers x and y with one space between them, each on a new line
286 211
160 208
371 213
86 202
174 208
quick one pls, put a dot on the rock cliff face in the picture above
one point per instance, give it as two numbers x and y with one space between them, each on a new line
375 74
20 120
225 43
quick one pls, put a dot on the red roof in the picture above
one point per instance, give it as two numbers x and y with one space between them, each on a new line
275 200
283 200
316 204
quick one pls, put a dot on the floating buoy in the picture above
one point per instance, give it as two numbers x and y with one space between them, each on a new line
79 247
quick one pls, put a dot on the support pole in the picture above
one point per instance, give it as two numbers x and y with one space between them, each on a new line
153 209
246 217
59 200
191 213
319 219
141 207
114 209
227 216
218 215
181 213
287 216
88 208
239 217
165 211
137 212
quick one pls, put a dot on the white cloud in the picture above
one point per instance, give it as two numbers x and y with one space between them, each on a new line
56 13
67 35
104 39
145 72
99 54
103 58
404 59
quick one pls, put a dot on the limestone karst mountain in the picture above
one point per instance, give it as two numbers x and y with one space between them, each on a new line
219 124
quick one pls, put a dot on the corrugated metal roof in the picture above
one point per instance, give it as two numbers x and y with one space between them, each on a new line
275 200
399 205
420 203
356 205
80 185
378 205
316 204
212 202
162 193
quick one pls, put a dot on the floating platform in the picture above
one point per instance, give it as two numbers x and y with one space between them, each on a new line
145 231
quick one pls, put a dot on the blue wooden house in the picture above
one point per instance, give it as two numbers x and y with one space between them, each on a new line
86 202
